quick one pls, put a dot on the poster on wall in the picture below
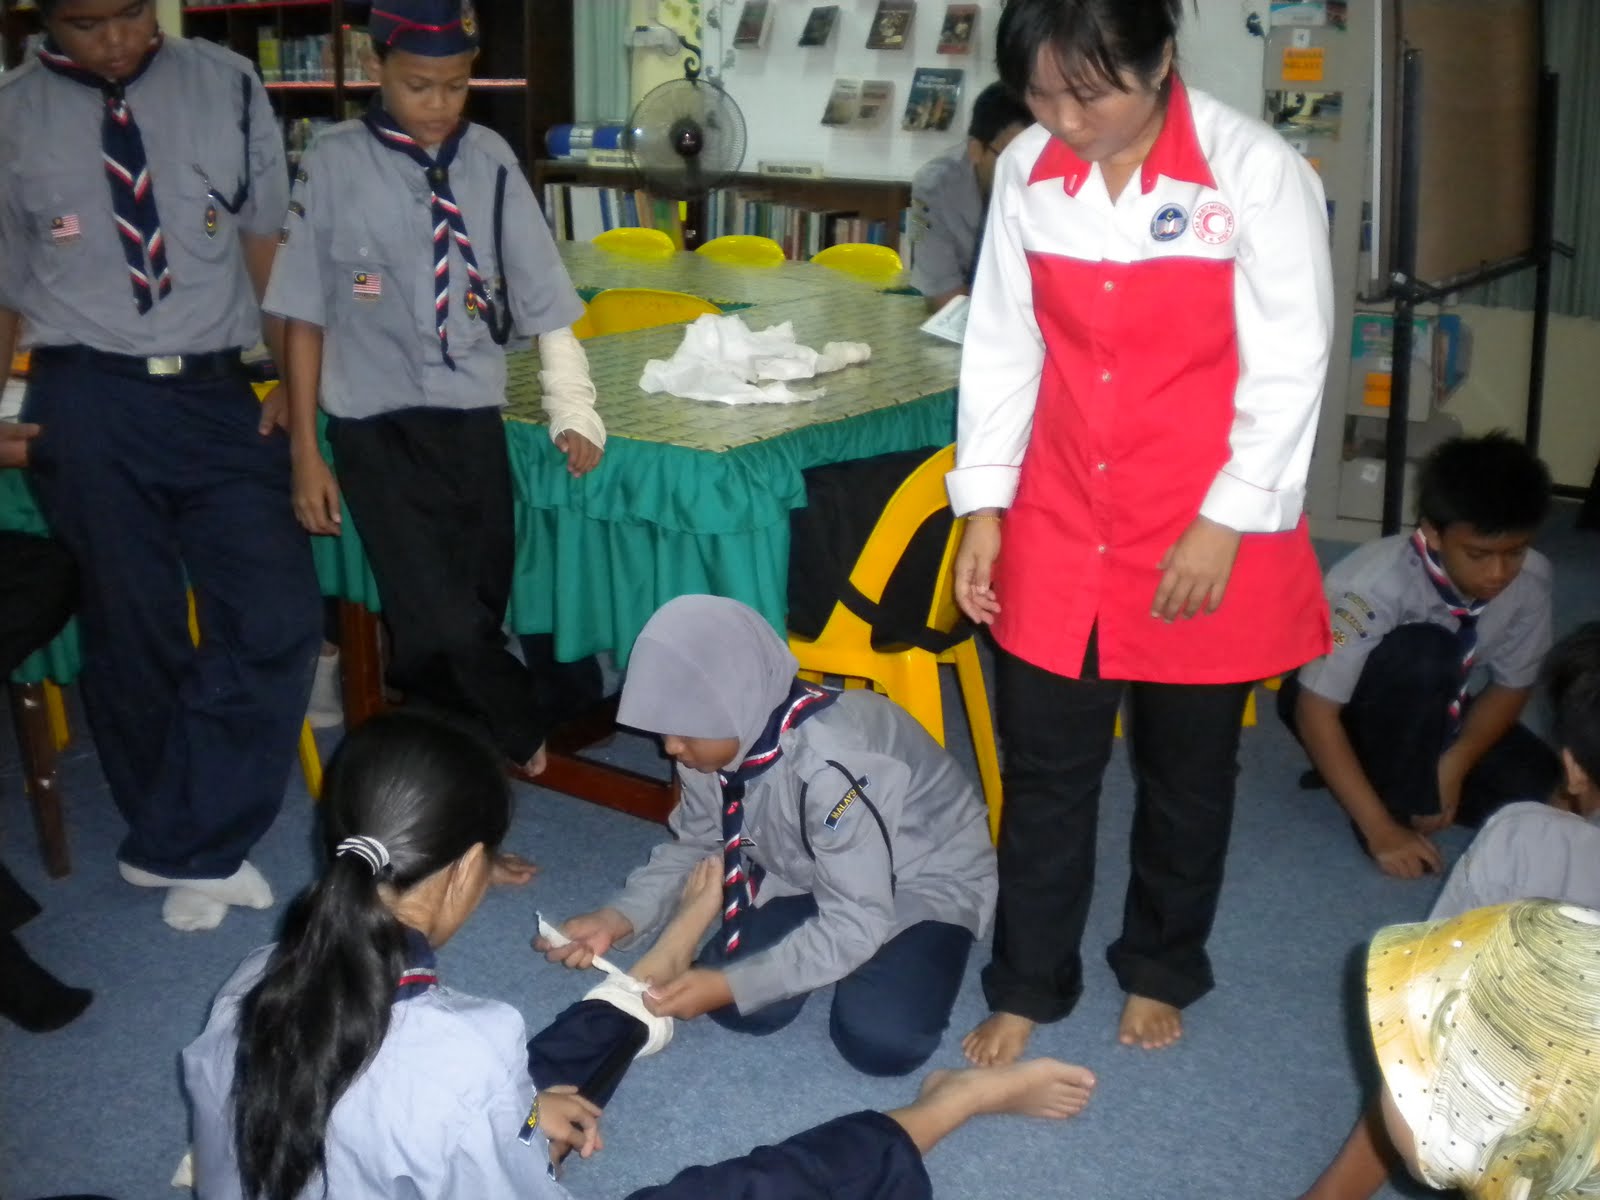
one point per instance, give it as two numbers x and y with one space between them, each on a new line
955 35
891 25
933 100
754 21
1299 115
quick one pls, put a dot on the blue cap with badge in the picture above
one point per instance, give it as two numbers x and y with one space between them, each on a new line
431 28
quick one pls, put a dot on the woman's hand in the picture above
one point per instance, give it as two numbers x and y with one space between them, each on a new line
592 933
316 495
1194 572
975 559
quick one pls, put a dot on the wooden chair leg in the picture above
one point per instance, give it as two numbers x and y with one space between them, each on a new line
361 663
30 712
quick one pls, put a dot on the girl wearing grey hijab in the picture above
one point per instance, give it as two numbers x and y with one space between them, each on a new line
855 850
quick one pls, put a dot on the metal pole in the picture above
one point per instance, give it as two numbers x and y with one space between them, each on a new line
1544 218
1404 279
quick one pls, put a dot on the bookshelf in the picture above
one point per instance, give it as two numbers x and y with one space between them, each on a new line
309 51
868 200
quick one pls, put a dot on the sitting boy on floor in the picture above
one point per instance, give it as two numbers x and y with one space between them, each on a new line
1526 850
1386 716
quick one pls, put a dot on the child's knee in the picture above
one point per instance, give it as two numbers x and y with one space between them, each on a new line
879 1048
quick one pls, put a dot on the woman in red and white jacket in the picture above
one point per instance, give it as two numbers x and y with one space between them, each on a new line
1144 360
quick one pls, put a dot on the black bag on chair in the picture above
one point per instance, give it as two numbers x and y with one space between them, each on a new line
843 503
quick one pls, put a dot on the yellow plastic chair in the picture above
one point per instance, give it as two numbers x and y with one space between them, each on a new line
622 310
583 328
744 250
910 675
866 261
640 243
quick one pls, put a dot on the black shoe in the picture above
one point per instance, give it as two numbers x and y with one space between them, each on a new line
1312 780
32 997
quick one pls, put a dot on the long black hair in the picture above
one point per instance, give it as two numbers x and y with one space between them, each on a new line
1094 40
429 792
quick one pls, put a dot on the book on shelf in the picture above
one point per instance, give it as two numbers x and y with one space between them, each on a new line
934 97
819 25
955 35
891 25
577 212
755 19
844 103
877 97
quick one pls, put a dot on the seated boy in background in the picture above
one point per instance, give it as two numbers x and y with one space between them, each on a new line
1525 851
1386 716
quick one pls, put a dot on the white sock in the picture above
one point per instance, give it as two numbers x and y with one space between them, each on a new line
246 887
192 911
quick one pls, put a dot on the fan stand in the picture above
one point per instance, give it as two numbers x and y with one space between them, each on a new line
692 213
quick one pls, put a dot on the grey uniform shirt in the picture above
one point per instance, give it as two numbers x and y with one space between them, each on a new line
357 259
946 223
1382 585
61 263
943 861
436 1113
1526 851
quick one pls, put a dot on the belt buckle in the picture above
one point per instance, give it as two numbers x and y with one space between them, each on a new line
165 365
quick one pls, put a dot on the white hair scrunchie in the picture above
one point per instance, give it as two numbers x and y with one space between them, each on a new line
368 849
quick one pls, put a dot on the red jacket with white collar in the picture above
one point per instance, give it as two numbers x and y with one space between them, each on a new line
1130 364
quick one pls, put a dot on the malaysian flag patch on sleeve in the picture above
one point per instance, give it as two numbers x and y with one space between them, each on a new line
367 285
65 228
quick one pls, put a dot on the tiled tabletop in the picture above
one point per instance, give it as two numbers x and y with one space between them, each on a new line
823 305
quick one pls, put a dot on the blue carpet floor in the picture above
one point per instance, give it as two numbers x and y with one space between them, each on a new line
1260 1091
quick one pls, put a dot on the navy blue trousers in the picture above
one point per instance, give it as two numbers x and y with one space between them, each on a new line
155 486
888 1014
1398 722
863 1156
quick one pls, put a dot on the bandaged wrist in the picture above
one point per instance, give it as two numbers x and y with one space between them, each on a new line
568 390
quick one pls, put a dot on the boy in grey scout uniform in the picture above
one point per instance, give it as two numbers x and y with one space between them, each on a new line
950 194
141 182
855 850
391 280
1386 717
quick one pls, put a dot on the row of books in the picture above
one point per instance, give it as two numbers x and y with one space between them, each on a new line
310 59
579 212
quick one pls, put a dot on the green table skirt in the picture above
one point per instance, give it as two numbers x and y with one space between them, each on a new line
597 556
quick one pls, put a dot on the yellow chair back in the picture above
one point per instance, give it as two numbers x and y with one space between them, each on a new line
744 249
583 327
909 675
870 263
641 243
622 310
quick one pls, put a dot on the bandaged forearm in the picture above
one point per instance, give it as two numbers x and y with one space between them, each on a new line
568 390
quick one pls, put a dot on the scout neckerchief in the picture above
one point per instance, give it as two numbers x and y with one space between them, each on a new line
421 974
1466 613
739 885
447 220
132 199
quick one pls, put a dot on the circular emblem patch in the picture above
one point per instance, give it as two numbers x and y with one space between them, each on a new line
1213 222
1169 223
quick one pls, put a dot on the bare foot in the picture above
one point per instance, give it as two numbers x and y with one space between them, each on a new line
1149 1024
1040 1087
535 766
511 870
698 908
998 1041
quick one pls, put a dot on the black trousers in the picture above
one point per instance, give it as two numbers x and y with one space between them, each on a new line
430 491
1058 734
155 486
1398 722
863 1156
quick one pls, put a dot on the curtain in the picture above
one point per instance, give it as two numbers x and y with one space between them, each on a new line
1572 50
600 61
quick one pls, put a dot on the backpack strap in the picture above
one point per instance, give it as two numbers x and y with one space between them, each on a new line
931 640
861 792
500 310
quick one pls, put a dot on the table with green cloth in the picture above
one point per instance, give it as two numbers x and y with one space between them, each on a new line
691 496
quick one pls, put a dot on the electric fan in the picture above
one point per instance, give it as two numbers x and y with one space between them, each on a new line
687 135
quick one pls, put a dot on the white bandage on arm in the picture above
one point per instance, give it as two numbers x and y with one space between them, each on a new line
568 390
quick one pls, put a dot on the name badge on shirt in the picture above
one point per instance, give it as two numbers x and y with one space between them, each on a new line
211 220
64 229
532 1123
367 285
472 306
845 801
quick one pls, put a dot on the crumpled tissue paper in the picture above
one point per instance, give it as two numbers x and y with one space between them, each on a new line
724 361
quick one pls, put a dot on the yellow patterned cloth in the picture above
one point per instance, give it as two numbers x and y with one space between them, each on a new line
1487 1029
